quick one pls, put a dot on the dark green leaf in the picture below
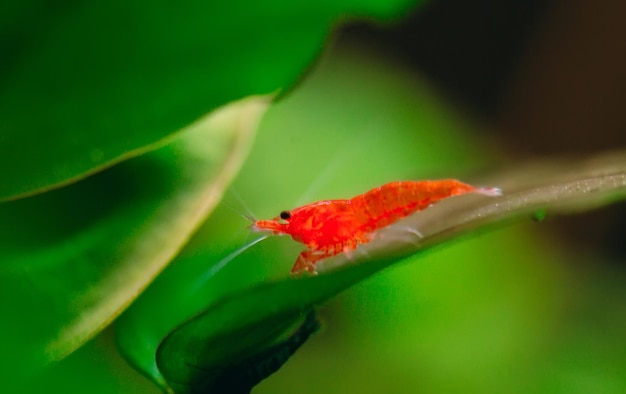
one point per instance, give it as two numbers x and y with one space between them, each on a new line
251 365
74 258
86 84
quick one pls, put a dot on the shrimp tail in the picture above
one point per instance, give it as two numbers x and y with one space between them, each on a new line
489 191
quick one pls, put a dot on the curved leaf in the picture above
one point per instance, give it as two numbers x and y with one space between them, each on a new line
189 354
247 373
250 363
307 131
79 255
85 85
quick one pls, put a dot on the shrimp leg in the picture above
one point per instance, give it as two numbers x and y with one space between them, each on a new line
306 261
308 258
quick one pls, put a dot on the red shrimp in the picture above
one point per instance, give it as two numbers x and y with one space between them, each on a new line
330 227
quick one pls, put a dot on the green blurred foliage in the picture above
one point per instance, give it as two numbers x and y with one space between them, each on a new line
322 148
501 312
84 86
87 84
106 237
504 311
489 314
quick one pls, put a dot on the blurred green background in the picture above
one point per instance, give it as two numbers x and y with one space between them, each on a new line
508 311
524 308
512 310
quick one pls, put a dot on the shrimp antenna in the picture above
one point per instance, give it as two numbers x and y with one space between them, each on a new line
247 214
242 204
242 214
227 259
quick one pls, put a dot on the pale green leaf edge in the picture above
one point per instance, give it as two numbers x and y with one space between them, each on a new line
125 156
144 261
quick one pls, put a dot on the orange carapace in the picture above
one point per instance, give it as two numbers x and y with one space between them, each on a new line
330 227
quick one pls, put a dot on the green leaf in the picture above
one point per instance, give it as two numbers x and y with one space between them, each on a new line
249 372
311 135
351 140
86 85
253 319
250 364
74 258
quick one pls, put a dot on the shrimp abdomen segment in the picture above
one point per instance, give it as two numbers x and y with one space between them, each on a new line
388 203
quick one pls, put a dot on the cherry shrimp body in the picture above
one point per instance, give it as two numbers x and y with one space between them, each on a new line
331 227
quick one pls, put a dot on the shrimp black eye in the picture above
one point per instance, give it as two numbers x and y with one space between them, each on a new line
285 215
